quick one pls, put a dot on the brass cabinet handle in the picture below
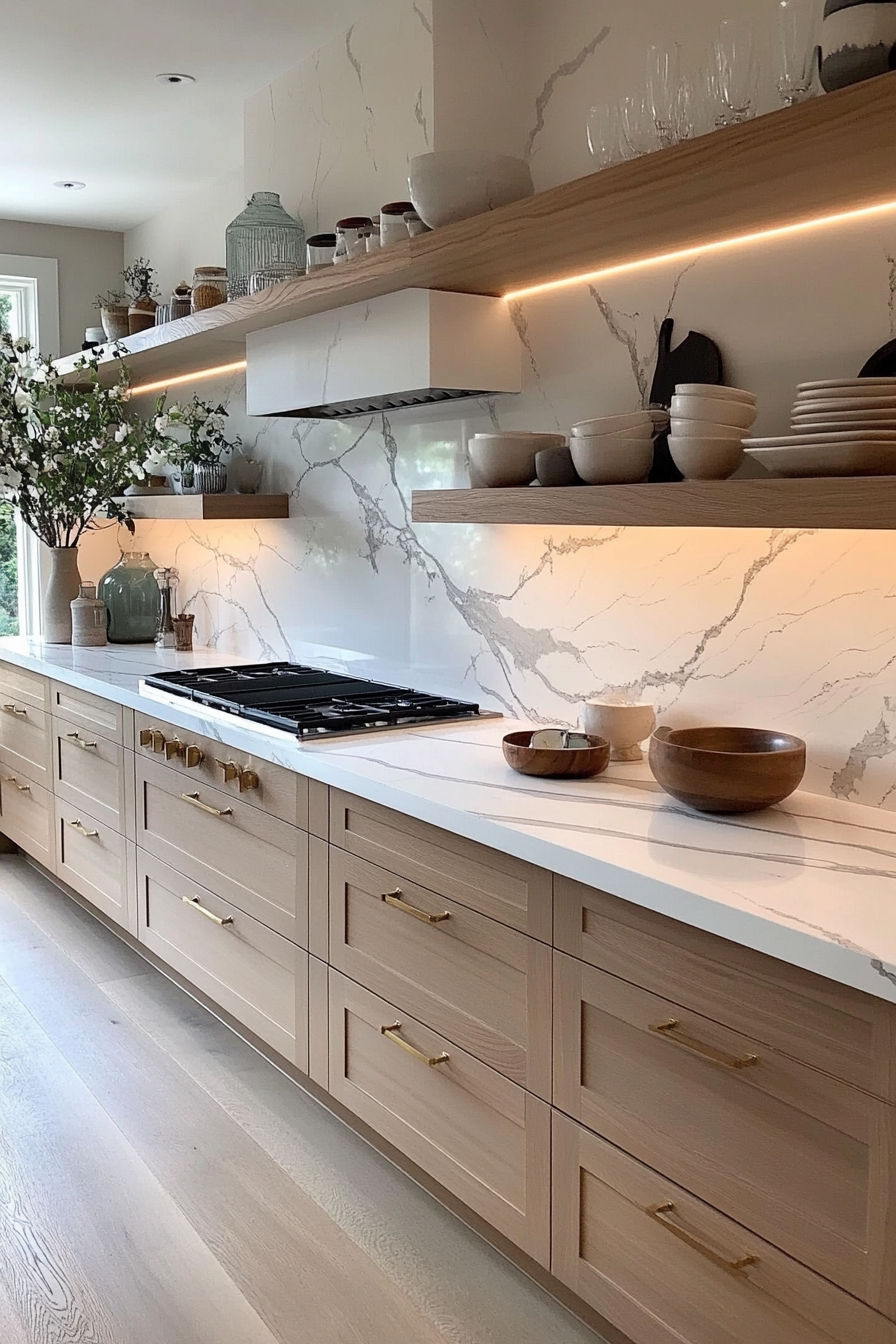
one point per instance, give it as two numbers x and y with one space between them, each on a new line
82 829
22 788
193 756
659 1213
194 801
195 903
671 1025
174 748
14 709
79 742
394 899
248 780
230 768
391 1033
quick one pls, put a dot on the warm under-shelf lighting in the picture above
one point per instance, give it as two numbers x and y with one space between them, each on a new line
687 253
164 383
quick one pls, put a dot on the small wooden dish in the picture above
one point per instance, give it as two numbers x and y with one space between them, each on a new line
727 769
555 763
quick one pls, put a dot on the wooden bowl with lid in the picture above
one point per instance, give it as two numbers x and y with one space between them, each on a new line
727 769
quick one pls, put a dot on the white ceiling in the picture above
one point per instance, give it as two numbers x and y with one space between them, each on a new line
81 102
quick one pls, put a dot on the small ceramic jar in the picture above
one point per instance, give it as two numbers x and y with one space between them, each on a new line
88 619
319 251
351 238
209 287
414 224
393 228
180 301
624 725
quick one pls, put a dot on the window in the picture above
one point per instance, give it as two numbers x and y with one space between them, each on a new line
29 306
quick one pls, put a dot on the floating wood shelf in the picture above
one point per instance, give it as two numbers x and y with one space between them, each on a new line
863 502
207 507
829 155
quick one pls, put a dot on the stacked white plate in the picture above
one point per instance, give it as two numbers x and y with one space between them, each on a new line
841 427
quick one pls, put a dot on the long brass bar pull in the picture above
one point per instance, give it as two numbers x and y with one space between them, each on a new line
671 1030
194 800
391 1033
194 902
79 742
394 898
82 830
660 1214
22 788
14 709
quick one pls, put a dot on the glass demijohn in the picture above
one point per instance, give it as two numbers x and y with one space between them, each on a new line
263 235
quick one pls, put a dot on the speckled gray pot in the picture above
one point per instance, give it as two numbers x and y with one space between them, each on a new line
858 41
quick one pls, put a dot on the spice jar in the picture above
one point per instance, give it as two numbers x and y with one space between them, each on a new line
180 301
393 228
321 247
414 224
351 237
209 287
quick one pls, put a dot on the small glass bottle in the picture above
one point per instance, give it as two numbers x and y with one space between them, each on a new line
132 595
88 619
167 579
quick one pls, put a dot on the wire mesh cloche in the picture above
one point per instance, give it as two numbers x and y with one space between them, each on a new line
264 234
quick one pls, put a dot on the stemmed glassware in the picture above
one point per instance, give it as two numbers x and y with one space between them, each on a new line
734 69
667 95
605 135
797 48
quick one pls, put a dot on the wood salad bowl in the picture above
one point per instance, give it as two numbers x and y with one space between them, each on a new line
555 763
727 769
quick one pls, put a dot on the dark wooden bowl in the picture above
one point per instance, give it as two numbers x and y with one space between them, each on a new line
727 769
555 763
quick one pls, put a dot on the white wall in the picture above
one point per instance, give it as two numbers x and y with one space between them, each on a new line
89 262
190 233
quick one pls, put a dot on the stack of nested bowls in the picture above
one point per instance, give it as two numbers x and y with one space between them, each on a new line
504 459
709 425
614 450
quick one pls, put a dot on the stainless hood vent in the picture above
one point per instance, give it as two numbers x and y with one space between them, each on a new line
415 348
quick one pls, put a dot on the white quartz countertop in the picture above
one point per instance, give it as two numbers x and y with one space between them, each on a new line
812 882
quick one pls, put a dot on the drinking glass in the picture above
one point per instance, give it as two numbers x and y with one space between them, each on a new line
797 49
735 70
638 127
664 91
605 135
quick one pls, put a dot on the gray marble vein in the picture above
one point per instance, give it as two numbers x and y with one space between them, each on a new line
877 743
563 71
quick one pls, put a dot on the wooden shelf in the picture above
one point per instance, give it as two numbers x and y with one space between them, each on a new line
864 502
829 155
207 507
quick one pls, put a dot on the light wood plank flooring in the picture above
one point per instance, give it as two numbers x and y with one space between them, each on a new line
162 1183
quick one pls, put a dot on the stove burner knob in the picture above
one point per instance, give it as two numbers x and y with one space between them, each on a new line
248 780
174 748
193 756
152 737
231 770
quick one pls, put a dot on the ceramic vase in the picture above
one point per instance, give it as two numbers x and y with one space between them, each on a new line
63 587
858 41
115 322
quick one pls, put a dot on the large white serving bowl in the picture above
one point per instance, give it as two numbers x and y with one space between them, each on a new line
613 424
704 429
715 409
454 184
601 462
504 460
720 393
706 459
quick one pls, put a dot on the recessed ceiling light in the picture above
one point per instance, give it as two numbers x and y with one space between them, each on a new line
69 185
171 77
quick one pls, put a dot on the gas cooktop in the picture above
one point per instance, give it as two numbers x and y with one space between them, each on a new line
311 702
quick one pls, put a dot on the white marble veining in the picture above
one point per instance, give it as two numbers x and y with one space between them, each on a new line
812 882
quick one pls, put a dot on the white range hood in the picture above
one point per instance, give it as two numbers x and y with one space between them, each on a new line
413 348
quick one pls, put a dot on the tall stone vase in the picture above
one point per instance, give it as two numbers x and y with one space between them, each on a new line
63 587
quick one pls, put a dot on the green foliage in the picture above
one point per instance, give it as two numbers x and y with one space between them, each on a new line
5 311
9 587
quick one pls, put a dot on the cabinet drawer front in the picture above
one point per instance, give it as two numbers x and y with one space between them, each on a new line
260 978
258 863
25 739
482 985
793 1154
98 862
497 885
90 772
832 1027
200 760
483 1138
17 683
26 816
93 713
663 1274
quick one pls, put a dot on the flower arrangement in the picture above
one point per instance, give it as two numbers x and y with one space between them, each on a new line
65 452
139 279
187 437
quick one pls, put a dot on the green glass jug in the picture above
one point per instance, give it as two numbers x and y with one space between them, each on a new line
132 598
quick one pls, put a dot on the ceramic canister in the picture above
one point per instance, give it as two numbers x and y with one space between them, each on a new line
624 725
858 41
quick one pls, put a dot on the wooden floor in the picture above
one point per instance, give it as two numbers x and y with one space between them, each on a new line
161 1183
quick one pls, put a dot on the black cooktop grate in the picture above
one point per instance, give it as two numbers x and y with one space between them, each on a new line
309 701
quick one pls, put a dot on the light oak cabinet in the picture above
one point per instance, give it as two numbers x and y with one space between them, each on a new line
98 862
93 714
26 816
25 738
95 774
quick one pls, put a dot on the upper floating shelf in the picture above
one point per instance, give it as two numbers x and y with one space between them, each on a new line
831 155
207 507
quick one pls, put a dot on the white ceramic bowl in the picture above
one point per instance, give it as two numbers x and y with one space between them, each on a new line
622 440
714 409
454 184
613 424
600 462
636 432
706 459
504 460
720 393
705 429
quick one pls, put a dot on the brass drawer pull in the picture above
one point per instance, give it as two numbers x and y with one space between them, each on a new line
391 1033
22 788
659 1213
14 709
82 830
79 742
194 801
393 898
700 1047
196 905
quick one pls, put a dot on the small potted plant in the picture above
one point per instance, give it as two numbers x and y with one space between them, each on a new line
142 289
195 445
113 310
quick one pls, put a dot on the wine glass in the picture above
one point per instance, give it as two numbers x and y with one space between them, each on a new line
638 126
604 130
664 93
735 70
797 49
